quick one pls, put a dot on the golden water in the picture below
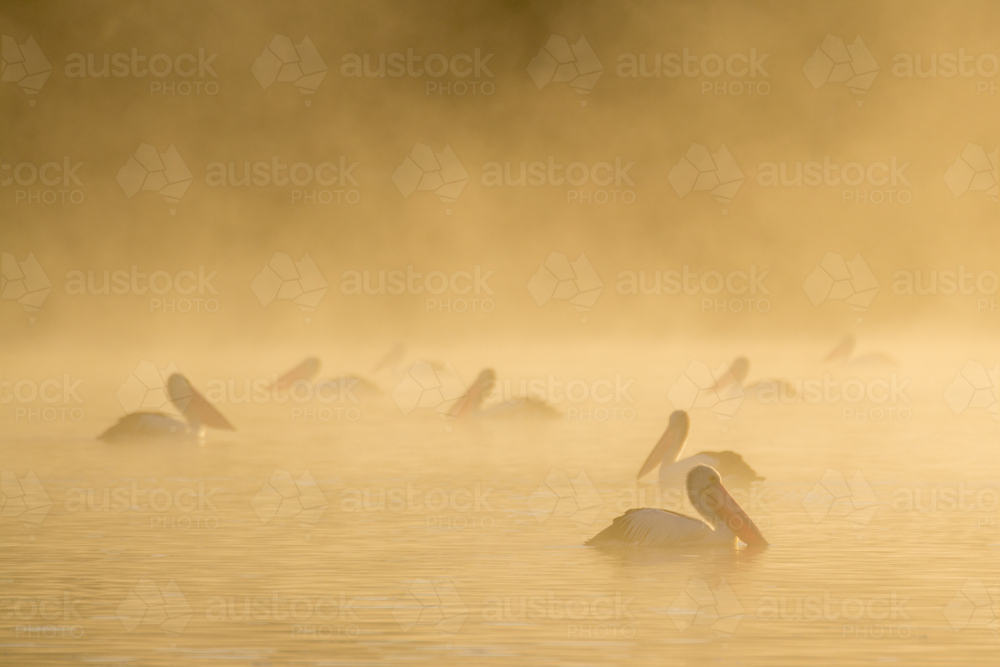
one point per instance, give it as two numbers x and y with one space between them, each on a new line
440 542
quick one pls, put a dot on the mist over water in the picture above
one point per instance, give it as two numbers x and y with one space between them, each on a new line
329 219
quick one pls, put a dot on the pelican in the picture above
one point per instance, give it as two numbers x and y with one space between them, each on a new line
304 372
309 369
844 353
723 520
668 450
198 415
737 373
471 405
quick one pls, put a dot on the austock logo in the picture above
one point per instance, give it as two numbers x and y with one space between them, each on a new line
560 62
559 279
878 182
834 279
51 399
146 388
470 69
560 496
836 497
829 607
974 170
284 497
24 499
701 387
425 170
458 291
285 62
185 291
24 282
282 279
147 603
976 387
44 184
969 66
429 386
601 182
700 604
149 170
431 603
733 75
730 292
700 170
976 606
326 182
834 62
25 65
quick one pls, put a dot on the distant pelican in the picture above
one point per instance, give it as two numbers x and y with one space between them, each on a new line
198 415
844 353
667 451
472 404
723 520
304 372
738 371
309 369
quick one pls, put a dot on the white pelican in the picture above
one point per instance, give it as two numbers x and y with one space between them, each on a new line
723 520
472 404
844 353
668 449
198 415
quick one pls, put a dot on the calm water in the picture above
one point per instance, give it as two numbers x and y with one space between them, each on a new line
410 539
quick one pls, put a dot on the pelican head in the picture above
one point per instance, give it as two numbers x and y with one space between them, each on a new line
718 508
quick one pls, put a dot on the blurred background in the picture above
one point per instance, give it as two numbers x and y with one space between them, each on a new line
768 118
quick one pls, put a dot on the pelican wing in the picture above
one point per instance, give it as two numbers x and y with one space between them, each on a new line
651 527
144 425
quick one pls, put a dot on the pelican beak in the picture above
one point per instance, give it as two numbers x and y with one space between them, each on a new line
729 513
671 440
193 404
472 399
